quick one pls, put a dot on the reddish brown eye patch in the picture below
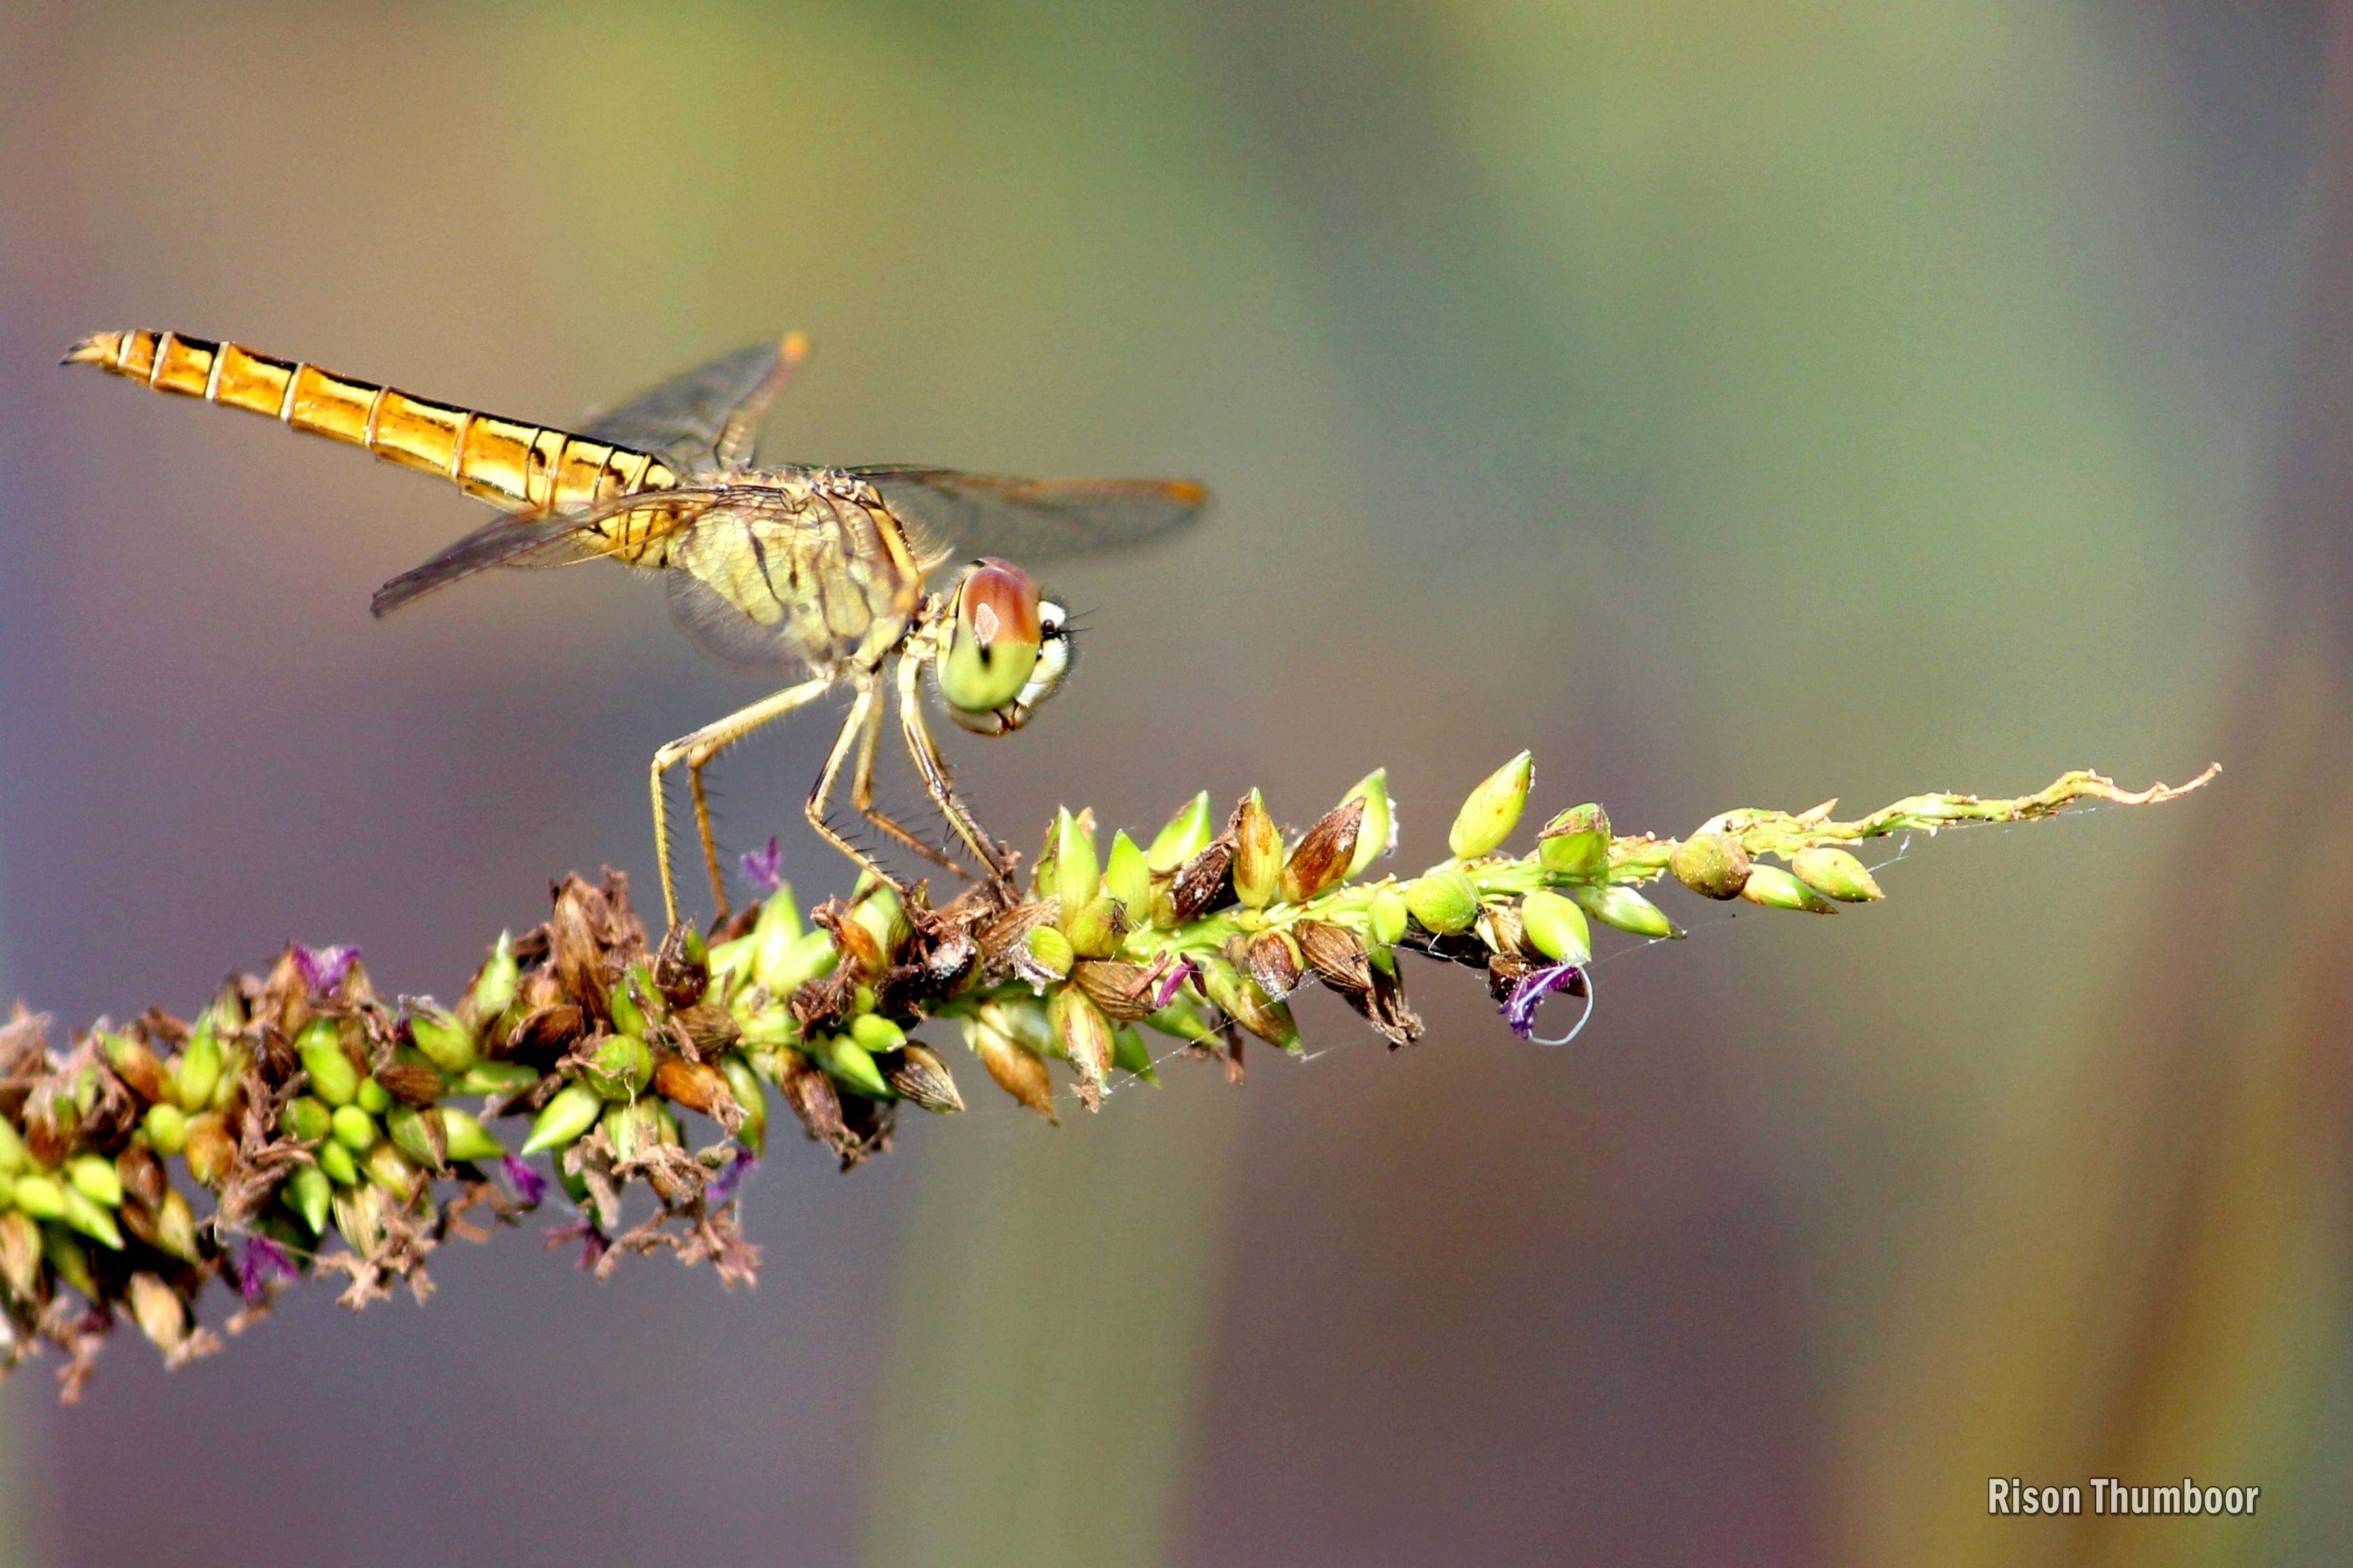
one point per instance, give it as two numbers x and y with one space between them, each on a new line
998 605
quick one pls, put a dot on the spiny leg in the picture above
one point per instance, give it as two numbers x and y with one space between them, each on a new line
928 762
697 750
862 794
861 714
710 848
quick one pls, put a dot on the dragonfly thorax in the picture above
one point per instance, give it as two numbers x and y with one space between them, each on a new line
796 564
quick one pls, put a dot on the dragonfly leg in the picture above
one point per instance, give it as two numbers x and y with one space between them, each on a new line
863 712
934 769
697 750
862 794
703 830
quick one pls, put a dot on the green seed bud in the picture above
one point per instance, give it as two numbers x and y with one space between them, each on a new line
1051 950
1022 1020
1095 930
632 1130
809 956
1187 834
1623 908
852 1065
166 1126
730 963
1085 1035
1835 874
43 1197
359 1215
877 1032
780 914
1712 864
372 1097
12 1148
1041 872
883 916
199 1070
1575 845
1491 810
336 1160
444 1040
333 1077
234 1062
1181 1019
86 1215
395 1172
1077 873
175 1227
1244 1000
752 1096
496 1077
1777 889
1556 927
766 1031
570 1113
620 1068
1443 900
1376 834
1127 877
1387 915
95 1177
69 1260
307 1193
774 941
1129 1053
410 1133
493 991
1258 852
355 1129
626 1001
467 1138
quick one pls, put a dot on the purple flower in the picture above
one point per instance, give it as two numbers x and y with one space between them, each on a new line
721 1191
323 968
765 868
262 1264
529 1185
1520 1011
1172 983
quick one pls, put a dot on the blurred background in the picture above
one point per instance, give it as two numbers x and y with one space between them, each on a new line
1740 404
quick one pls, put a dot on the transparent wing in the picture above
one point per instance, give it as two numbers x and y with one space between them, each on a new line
718 626
738 588
508 540
708 416
1032 520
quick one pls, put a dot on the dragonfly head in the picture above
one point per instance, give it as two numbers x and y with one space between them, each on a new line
1006 648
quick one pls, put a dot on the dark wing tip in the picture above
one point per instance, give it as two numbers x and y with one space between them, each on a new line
400 590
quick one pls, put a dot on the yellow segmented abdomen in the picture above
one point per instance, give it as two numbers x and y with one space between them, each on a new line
528 468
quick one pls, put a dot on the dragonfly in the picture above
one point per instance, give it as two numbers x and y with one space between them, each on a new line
820 572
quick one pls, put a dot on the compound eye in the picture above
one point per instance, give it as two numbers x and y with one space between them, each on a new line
993 638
